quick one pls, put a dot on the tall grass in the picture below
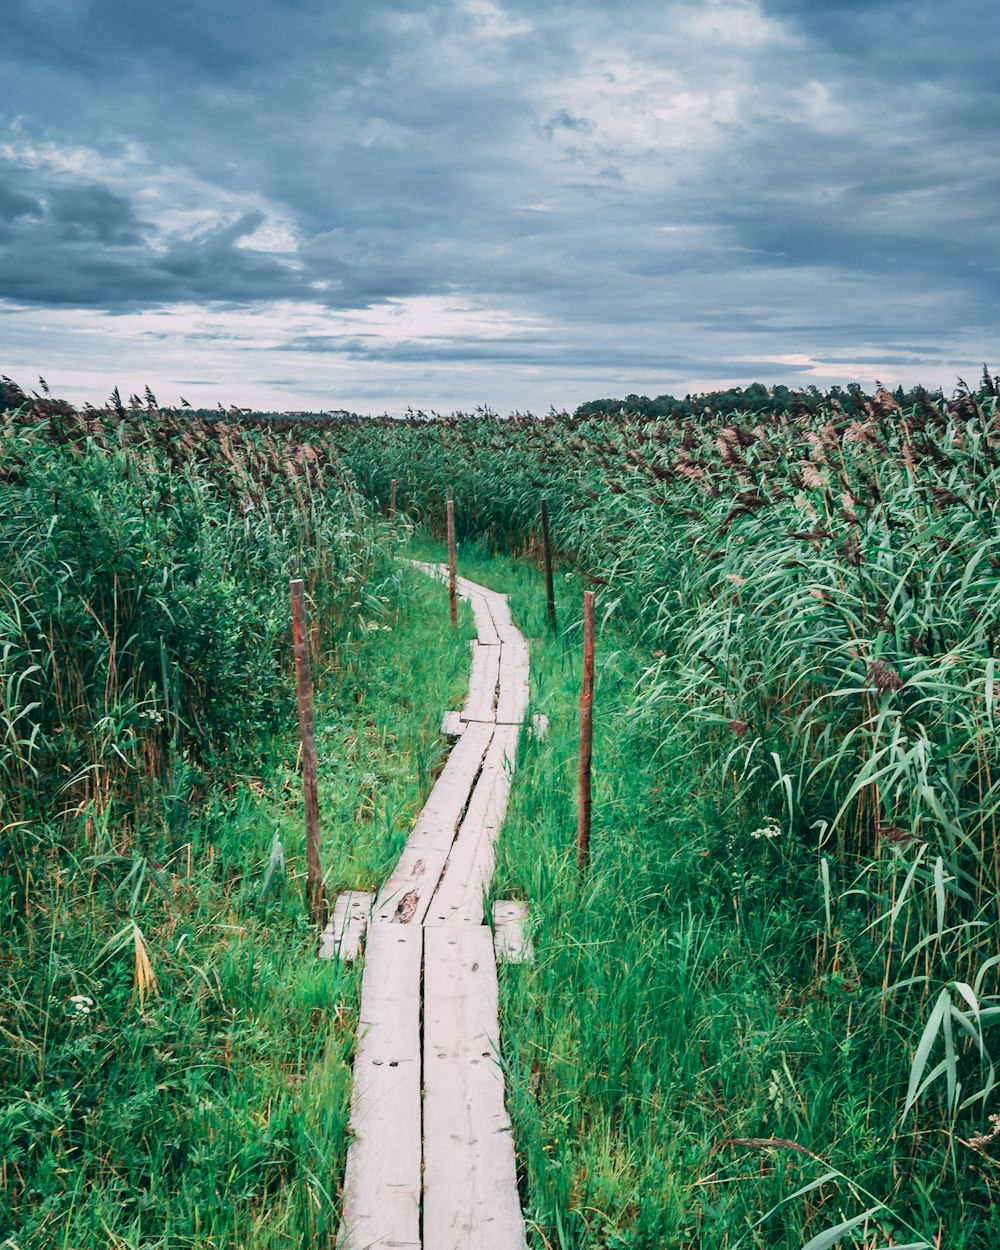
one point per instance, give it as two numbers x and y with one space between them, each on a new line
703 1053
814 596
145 561
174 1063
767 1017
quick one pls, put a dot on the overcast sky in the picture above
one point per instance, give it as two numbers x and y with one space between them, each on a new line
451 203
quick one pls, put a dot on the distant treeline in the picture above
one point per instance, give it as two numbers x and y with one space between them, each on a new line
760 398
757 397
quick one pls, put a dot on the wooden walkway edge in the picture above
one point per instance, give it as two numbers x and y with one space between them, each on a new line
431 1164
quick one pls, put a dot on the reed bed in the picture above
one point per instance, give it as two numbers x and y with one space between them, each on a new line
766 1019
145 559
815 594
174 1064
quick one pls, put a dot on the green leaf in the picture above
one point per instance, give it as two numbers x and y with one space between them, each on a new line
924 1047
832 1235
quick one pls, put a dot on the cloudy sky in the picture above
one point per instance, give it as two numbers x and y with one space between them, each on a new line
452 203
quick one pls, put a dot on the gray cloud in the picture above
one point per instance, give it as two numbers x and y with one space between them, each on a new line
76 242
749 185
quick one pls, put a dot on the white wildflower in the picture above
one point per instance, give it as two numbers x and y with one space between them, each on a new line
81 1004
771 830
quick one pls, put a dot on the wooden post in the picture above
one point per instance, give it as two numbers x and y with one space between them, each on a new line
586 735
315 891
550 594
452 569
392 499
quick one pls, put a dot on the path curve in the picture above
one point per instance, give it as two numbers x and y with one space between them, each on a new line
431 1163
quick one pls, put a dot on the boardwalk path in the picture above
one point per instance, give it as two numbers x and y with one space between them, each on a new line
431 1163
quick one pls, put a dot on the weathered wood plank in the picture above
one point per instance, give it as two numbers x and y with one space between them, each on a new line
406 895
498 603
465 881
511 943
438 571
484 677
452 725
382 1180
470 1199
470 1176
515 669
485 629
341 939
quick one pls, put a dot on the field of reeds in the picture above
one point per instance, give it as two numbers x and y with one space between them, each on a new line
174 1062
766 1018
810 606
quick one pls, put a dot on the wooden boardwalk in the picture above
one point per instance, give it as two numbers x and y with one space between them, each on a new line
431 1163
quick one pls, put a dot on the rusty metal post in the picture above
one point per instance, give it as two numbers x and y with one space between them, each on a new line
586 735
315 890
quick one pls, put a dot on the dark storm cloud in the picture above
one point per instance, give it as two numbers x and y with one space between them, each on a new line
794 177
15 204
92 214
75 242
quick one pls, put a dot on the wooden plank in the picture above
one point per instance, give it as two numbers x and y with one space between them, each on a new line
452 725
469 589
382 1181
438 571
470 1173
497 604
502 621
511 943
484 677
515 688
466 877
485 629
341 939
405 897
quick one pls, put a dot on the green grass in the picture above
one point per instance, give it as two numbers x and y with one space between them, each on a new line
209 1109
696 1043
801 636
765 1017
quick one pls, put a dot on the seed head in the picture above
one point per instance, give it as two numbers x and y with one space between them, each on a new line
883 678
